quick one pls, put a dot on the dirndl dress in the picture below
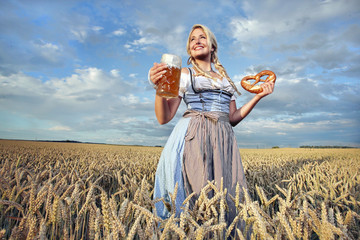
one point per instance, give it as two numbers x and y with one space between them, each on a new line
201 147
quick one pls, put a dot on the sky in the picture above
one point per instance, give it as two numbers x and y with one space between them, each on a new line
77 70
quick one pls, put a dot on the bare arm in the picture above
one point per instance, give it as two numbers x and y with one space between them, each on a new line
165 109
237 115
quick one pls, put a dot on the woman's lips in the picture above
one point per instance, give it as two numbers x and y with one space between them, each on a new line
198 47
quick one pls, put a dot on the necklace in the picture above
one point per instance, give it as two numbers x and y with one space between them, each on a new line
204 73
208 72
209 75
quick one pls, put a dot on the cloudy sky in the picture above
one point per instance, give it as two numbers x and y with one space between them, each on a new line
78 70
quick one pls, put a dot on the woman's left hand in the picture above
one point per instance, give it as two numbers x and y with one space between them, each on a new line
268 88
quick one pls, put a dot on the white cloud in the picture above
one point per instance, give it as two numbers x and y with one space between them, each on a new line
133 75
22 85
142 43
80 34
115 72
155 30
128 120
49 51
87 91
130 99
60 128
128 47
81 29
84 81
277 21
119 32
97 29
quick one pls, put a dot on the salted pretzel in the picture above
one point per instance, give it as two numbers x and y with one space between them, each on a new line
252 87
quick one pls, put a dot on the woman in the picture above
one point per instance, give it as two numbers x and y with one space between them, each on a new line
202 146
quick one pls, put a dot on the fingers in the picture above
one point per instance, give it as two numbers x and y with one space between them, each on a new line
268 88
157 72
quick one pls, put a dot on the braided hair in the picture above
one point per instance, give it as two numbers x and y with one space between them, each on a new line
211 40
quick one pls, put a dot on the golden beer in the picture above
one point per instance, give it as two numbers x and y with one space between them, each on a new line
168 86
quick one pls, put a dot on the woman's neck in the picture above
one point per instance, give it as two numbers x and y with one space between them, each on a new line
204 65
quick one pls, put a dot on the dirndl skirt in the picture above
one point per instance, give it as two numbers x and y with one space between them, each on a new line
201 147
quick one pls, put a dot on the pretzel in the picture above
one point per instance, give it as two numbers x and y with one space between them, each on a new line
252 87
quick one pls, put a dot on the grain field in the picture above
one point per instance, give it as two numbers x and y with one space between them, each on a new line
93 191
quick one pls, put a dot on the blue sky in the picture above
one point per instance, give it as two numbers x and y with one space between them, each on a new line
78 69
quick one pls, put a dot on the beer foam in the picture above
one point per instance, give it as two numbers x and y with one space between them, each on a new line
171 60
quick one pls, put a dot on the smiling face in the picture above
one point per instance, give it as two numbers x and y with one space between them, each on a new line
199 45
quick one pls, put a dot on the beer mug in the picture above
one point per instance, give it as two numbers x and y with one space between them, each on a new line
168 86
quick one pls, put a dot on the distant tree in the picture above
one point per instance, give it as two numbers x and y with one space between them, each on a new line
325 147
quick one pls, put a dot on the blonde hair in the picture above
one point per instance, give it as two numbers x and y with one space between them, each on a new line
211 41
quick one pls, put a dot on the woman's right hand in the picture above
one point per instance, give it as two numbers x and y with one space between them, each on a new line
157 72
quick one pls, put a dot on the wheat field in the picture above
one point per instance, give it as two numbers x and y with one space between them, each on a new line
93 191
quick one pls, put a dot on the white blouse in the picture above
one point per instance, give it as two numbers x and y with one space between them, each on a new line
202 83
